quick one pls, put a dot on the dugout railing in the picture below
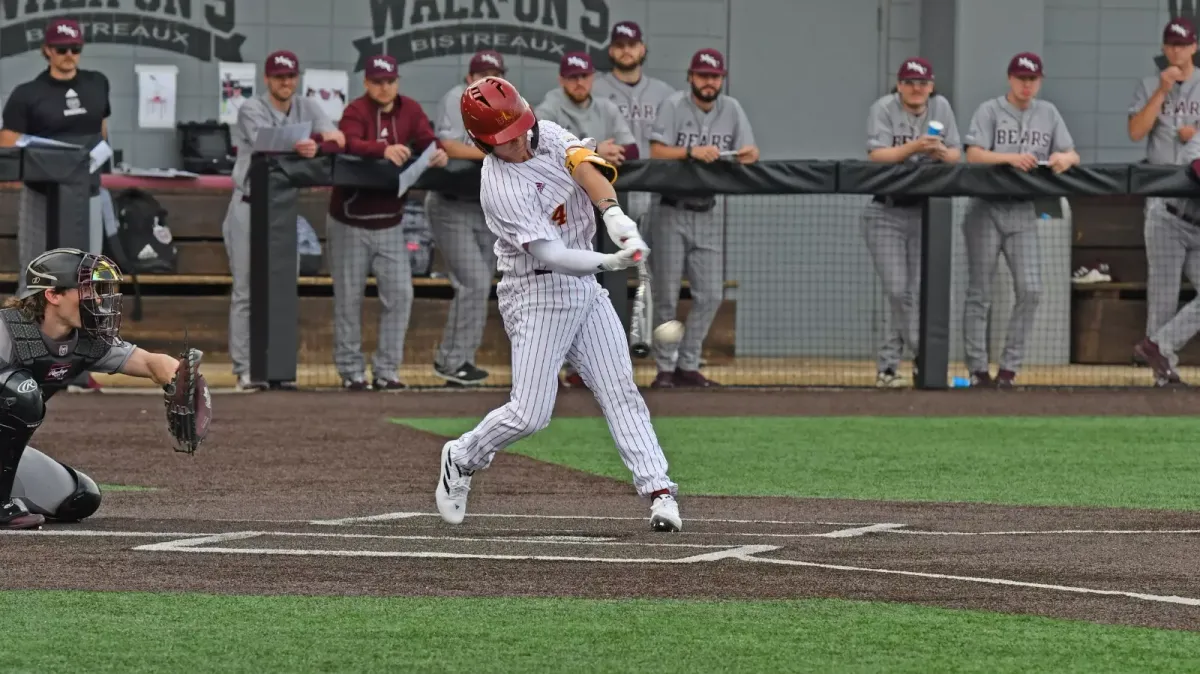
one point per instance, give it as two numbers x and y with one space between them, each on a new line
795 259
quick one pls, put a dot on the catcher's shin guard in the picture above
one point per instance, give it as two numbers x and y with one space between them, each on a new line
54 489
21 412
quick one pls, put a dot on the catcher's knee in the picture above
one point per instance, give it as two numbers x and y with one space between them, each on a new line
83 502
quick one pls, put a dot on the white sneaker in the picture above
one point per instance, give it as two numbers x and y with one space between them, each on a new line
452 488
664 514
244 384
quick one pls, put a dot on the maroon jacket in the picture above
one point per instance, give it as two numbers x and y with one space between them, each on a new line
369 131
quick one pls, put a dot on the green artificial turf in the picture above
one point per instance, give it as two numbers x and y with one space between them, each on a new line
1131 462
138 632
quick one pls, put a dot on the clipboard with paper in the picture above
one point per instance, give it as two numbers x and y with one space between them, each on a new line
281 138
410 175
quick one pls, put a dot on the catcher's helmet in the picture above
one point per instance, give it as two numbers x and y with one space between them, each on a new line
97 278
494 112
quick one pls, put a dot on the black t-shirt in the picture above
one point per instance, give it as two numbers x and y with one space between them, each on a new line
56 109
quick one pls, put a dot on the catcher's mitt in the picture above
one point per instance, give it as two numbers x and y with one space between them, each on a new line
189 404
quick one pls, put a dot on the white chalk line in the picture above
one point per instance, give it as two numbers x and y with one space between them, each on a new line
1058 532
387 517
1167 599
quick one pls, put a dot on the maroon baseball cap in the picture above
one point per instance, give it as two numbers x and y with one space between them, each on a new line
486 60
382 68
708 61
281 62
626 31
1179 32
63 32
1025 64
575 63
915 68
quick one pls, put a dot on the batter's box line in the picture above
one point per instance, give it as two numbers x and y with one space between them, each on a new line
1166 599
388 517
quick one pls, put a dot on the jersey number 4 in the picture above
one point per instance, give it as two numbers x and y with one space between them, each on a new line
559 216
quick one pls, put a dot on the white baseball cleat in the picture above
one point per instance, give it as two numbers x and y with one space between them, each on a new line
664 514
451 493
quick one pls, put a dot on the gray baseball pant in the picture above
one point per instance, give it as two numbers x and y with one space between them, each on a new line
686 243
893 235
466 244
1172 246
236 232
354 252
990 228
42 482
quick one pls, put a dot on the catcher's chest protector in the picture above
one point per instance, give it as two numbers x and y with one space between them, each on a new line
53 372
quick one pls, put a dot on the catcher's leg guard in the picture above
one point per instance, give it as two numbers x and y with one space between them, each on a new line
54 489
21 412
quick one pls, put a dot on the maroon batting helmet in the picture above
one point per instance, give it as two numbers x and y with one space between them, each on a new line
494 112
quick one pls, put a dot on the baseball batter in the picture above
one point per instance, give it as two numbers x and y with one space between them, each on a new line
1024 132
1165 113
65 322
573 107
463 238
898 130
540 187
277 106
705 125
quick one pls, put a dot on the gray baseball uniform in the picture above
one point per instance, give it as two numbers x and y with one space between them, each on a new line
1174 229
892 226
253 115
688 238
1170 241
462 236
992 226
638 104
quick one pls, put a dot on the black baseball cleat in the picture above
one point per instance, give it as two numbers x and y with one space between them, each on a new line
465 375
388 385
14 515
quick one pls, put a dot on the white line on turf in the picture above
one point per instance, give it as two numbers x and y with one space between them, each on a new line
386 517
1060 532
1167 599
190 543
733 553
860 531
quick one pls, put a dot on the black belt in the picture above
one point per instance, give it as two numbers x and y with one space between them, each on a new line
1183 216
697 208
455 197
541 272
246 198
899 202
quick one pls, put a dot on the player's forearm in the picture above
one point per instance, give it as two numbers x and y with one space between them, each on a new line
459 150
978 155
594 183
660 151
158 367
1143 120
9 138
890 155
565 260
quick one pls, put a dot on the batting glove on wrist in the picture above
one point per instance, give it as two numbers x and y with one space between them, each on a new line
635 243
620 227
623 260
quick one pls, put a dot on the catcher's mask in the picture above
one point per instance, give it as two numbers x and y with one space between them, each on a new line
95 276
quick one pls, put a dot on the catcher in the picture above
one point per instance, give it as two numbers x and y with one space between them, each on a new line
66 322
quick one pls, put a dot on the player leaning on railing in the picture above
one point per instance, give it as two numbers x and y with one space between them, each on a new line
66 322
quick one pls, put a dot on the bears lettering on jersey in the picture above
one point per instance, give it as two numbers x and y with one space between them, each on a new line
1022 137
722 141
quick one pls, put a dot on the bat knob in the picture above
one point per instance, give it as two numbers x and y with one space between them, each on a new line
640 350
637 256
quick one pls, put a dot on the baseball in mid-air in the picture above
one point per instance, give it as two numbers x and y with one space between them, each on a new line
669 333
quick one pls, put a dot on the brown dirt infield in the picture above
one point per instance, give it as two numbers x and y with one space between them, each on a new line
238 516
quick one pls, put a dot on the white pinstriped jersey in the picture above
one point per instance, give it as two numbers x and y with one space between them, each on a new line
536 200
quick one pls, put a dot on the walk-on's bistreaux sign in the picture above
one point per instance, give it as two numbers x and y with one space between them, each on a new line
202 29
414 30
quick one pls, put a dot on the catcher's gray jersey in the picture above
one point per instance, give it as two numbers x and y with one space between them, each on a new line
1181 108
112 361
448 125
599 119
680 123
257 113
890 124
638 103
1038 130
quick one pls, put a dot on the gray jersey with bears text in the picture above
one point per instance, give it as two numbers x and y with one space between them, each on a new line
599 119
890 124
1180 108
638 103
1038 130
681 123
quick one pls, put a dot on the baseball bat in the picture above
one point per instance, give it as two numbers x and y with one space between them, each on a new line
641 317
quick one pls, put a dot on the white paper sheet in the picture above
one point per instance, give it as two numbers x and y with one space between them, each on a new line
100 154
26 140
409 176
157 95
235 84
281 138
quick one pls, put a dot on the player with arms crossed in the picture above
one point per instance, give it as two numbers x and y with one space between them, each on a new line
1165 112
64 323
540 188
898 131
1024 132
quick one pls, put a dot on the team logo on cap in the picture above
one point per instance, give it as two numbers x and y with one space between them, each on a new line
284 61
205 31
626 31
488 58
577 62
1027 63
546 31
711 60
1178 30
916 67
382 64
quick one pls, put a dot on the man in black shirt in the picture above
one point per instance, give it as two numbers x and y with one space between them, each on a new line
64 103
